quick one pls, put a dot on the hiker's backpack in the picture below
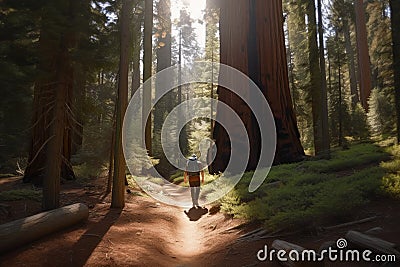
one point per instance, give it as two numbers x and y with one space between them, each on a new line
193 168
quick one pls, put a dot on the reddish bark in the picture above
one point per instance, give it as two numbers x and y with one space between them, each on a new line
364 66
118 186
55 74
252 41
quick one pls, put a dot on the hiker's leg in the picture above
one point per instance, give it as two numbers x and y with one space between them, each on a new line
193 194
197 188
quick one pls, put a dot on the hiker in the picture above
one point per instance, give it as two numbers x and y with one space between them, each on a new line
194 171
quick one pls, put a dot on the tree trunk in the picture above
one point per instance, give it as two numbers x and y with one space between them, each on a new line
324 93
165 104
291 74
136 57
36 160
112 153
252 41
50 150
315 81
395 21
296 35
80 75
350 61
118 190
212 47
56 73
274 81
340 136
34 172
52 168
147 68
364 66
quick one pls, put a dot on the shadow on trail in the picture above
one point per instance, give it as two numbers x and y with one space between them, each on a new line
194 214
92 237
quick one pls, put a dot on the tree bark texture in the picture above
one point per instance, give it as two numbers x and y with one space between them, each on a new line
252 41
147 69
324 91
350 61
166 103
17 233
56 74
364 66
118 189
319 108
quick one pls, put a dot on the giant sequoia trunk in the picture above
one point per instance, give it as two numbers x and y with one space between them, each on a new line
364 66
42 117
52 102
350 61
252 41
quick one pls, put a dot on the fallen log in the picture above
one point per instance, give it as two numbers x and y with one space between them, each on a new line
373 243
349 223
265 235
258 230
235 228
374 231
16 233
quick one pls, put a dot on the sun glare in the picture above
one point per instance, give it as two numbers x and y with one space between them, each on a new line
196 7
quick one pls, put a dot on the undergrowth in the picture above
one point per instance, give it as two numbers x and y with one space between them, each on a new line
315 192
21 194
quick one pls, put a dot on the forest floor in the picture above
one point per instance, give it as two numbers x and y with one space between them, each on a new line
148 233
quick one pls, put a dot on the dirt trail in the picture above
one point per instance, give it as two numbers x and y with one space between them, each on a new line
189 231
148 233
190 236
144 233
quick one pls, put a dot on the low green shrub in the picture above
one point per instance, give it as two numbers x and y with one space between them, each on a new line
316 192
